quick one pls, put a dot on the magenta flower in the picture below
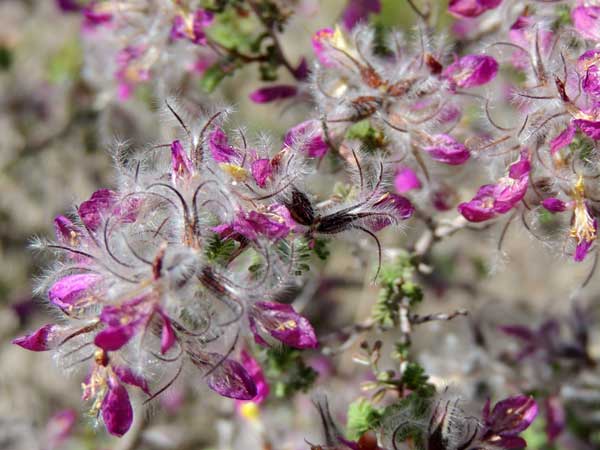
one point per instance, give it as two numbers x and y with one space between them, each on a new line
128 376
301 71
307 137
130 70
556 417
68 5
261 170
94 16
406 180
102 203
586 20
225 376
563 139
584 226
499 198
91 211
257 375
116 409
320 43
543 339
65 230
221 151
182 167
590 127
525 34
446 149
358 11
471 71
398 206
59 428
554 205
589 65
272 93
125 321
507 420
41 340
111 399
282 323
274 223
192 27
471 8
74 291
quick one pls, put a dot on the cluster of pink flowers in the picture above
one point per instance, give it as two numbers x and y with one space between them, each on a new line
136 284
188 260
168 31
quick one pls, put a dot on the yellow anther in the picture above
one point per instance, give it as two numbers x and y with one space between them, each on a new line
250 411
236 172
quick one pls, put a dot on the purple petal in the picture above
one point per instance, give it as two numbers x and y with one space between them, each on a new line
554 205
590 127
563 139
202 19
261 170
471 8
447 150
395 205
167 337
481 207
272 93
285 324
512 415
126 375
307 138
68 5
301 72
589 65
358 10
181 165
38 341
72 290
252 224
92 210
113 338
65 230
257 375
178 28
406 180
586 20
472 70
59 428
320 43
509 191
116 409
219 147
231 380
94 18
518 331
582 250
555 417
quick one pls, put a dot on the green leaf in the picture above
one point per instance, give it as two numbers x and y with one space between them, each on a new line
362 417
212 77
415 379
233 31
320 248
219 250
65 64
6 58
286 370
371 138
